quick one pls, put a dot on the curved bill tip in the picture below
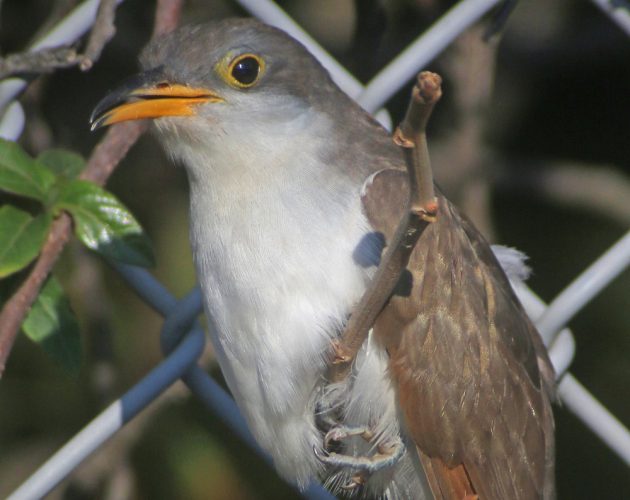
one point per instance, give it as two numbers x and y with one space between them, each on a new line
121 95
97 121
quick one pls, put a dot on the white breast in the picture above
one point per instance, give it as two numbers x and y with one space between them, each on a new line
279 279
277 246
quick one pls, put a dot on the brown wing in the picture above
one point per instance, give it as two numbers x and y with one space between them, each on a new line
473 377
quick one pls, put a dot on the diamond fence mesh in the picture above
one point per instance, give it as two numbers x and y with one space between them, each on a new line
182 338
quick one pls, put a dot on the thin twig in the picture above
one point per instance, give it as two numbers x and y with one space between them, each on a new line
40 61
421 211
412 137
102 32
103 160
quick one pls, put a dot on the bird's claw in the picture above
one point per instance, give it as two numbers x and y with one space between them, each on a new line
341 432
386 455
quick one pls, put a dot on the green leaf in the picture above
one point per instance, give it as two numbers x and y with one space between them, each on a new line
104 224
22 175
63 163
51 324
21 238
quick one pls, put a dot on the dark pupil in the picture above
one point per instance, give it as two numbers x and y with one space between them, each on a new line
245 71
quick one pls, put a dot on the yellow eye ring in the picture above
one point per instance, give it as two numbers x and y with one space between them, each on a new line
245 70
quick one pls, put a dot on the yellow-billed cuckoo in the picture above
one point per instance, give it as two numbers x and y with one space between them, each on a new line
295 190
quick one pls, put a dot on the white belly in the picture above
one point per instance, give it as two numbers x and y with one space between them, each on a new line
278 291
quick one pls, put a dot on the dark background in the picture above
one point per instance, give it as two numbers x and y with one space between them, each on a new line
558 116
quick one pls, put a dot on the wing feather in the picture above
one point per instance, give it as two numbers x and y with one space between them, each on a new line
473 377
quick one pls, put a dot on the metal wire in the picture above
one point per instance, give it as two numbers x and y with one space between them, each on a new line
422 51
595 416
586 286
617 11
181 338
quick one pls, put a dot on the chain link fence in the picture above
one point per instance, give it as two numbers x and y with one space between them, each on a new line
182 339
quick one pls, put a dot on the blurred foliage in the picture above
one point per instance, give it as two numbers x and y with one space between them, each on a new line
560 95
51 324
100 222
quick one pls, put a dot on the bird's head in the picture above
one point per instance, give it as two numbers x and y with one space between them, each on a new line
219 78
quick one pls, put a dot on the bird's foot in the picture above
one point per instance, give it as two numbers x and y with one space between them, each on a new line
340 432
387 454
370 464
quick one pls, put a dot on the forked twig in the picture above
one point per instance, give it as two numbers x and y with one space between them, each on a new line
49 59
421 211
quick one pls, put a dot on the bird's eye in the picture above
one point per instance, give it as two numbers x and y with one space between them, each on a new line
245 70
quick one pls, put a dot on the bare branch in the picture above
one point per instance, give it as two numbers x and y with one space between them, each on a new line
41 61
103 160
102 32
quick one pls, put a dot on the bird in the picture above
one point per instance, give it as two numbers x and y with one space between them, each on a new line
295 192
